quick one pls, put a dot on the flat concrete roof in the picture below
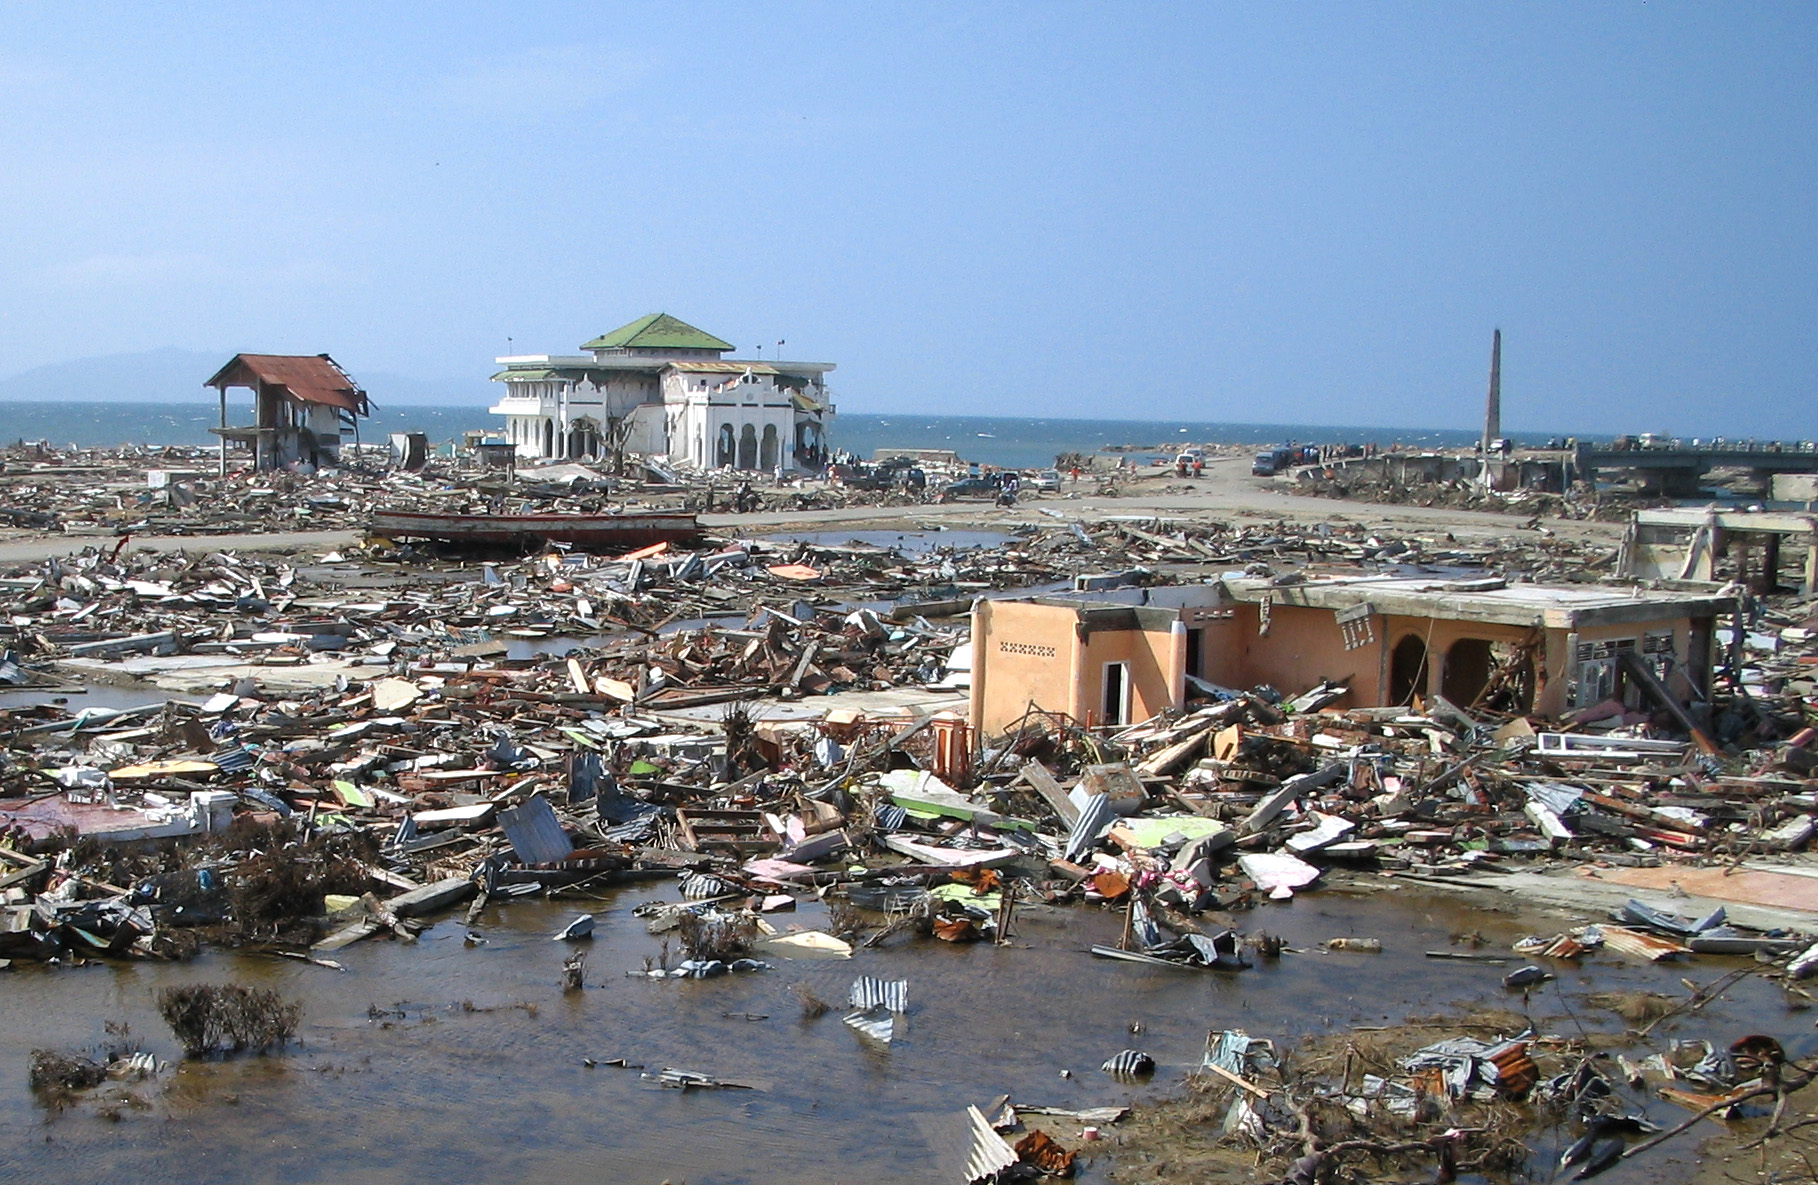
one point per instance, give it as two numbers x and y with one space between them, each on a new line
1553 606
1690 518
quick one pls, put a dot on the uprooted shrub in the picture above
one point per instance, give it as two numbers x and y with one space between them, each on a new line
227 1018
716 935
274 888
52 1071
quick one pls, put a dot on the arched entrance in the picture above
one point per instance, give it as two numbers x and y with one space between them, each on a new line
549 438
748 447
583 439
723 454
767 450
1407 670
1512 683
1467 669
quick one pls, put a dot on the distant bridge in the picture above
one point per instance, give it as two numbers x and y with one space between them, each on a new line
1678 467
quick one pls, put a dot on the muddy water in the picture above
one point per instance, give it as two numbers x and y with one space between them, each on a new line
481 1076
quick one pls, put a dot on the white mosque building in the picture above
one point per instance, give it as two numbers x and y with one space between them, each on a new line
661 388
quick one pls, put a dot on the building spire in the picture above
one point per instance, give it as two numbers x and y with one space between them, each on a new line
1492 411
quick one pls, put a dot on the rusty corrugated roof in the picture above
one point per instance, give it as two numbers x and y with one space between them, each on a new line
309 378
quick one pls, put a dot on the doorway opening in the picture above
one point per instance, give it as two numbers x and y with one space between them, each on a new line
1117 693
1407 670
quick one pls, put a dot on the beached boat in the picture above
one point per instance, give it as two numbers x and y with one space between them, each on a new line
589 532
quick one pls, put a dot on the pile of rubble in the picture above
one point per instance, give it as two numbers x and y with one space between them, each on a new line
177 490
1581 502
422 764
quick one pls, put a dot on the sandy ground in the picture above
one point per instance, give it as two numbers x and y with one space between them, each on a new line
1226 491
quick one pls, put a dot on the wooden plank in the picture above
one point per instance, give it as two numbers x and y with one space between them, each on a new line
1042 780
24 874
431 897
348 935
1234 1080
1657 691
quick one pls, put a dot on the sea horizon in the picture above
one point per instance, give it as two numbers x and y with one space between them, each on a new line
1020 441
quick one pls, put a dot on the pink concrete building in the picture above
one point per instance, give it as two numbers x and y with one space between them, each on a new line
1124 655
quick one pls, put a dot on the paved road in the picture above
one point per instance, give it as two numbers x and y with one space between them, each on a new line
1226 491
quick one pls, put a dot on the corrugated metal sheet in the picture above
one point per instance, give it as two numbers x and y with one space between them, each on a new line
535 834
989 1155
1129 1064
1095 818
1643 946
868 992
879 1024
1516 1072
701 886
232 760
309 378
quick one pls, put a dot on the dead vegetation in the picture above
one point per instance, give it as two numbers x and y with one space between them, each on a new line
53 1072
812 1005
1637 1007
845 920
274 887
710 935
227 1018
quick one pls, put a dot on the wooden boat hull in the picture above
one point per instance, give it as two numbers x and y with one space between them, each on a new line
589 532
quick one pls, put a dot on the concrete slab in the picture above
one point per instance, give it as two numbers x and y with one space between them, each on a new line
1588 895
1776 890
898 703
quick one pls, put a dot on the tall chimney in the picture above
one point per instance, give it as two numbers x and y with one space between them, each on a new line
1492 411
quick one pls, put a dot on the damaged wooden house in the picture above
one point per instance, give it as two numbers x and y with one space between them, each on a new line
301 405
1121 656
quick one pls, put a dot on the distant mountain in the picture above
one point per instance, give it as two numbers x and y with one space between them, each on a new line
172 375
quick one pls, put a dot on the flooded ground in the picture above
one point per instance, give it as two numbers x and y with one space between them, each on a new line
441 1060
95 695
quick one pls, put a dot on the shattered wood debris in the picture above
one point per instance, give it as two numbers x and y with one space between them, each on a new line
529 725
336 748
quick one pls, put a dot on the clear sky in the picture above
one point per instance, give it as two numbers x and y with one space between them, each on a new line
1289 212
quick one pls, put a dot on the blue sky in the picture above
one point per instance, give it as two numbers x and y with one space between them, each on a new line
1298 213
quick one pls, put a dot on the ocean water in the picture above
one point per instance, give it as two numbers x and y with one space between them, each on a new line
1021 441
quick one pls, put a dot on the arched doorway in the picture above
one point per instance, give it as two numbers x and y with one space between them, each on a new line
1467 669
548 438
1512 684
583 439
1407 670
767 450
723 455
748 447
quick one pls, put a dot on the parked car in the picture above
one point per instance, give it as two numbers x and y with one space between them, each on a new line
862 477
1269 462
974 487
1048 481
